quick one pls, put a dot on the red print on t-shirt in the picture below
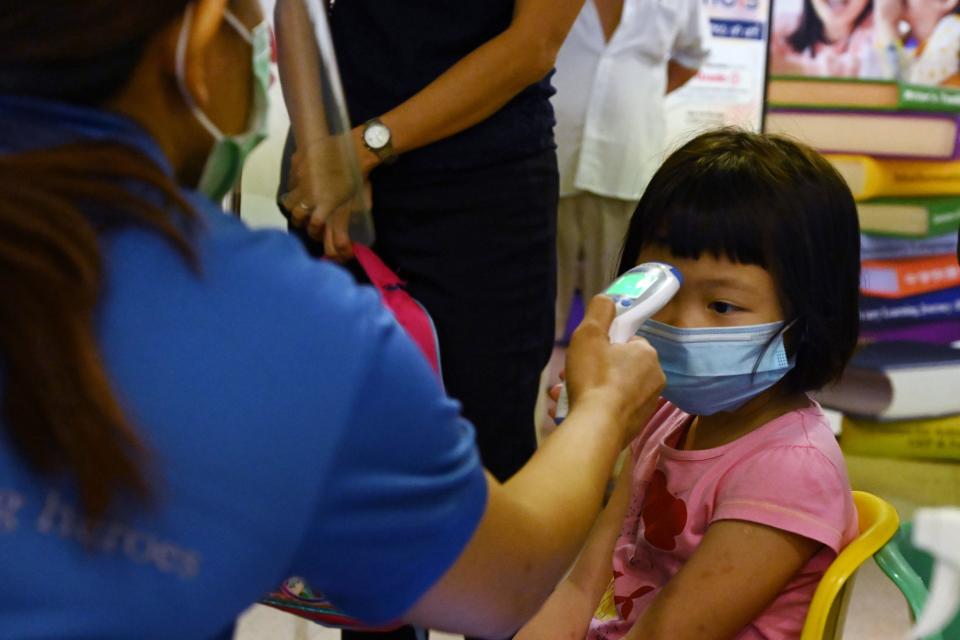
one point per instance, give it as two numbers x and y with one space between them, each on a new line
664 516
624 604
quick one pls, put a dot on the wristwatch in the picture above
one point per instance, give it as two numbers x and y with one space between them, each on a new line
377 138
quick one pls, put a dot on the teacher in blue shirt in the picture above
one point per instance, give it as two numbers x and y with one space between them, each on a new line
162 370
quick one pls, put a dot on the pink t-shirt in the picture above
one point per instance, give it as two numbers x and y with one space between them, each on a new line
788 474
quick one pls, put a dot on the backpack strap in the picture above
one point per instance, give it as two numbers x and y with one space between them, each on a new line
381 276
412 316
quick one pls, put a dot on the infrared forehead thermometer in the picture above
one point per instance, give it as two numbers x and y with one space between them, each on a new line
638 295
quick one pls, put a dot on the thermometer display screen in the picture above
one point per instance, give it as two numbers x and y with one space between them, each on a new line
632 284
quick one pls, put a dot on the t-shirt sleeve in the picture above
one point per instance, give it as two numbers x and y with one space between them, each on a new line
691 46
406 488
792 488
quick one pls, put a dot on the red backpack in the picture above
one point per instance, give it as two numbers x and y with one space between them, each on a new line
295 595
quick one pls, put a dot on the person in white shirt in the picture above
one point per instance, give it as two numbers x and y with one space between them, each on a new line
621 59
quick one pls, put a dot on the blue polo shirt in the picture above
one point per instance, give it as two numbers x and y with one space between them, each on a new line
293 429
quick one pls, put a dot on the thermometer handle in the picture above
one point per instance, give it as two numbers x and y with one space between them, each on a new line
633 312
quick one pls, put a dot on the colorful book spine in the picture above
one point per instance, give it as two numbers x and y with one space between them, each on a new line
927 482
928 307
873 178
936 216
830 93
860 131
882 247
808 92
944 332
903 278
938 439
928 98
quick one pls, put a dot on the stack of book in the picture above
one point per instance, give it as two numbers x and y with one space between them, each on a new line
898 148
900 400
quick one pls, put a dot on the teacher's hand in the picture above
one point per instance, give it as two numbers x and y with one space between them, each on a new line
337 244
624 377
322 196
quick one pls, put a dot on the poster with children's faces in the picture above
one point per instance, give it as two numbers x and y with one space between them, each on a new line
913 41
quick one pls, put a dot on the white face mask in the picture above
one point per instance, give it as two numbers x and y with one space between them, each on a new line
229 152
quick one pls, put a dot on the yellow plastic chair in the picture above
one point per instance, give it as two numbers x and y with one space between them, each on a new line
878 523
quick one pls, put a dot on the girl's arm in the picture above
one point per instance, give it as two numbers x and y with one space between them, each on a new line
736 572
568 611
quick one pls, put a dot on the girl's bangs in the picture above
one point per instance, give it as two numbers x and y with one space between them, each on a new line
723 217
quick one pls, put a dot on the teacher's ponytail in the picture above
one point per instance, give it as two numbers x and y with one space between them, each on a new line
59 410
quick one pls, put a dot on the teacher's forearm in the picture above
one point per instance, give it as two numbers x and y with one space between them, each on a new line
531 531
565 480
567 612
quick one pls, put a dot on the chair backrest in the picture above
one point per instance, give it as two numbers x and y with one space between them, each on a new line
878 523
910 570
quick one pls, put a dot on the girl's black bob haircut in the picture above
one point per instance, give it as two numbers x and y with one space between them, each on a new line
773 202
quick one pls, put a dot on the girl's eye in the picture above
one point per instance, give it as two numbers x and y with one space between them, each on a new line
722 308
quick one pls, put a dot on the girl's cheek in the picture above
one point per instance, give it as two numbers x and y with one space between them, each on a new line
682 311
684 317
666 316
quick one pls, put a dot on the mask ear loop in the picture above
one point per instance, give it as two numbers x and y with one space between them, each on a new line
769 344
238 26
181 63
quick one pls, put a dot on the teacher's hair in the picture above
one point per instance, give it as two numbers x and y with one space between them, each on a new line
59 411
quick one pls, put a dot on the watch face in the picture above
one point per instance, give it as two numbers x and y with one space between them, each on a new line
377 136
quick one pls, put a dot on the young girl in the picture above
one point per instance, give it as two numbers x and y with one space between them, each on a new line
932 54
737 498
827 39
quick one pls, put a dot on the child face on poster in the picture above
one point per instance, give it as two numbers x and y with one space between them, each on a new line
931 29
838 17
829 38
924 15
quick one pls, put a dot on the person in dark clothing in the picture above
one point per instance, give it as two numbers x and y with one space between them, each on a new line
454 129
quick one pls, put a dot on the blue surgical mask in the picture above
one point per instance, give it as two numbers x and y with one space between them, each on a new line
714 369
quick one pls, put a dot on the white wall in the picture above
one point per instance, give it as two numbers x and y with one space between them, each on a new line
261 175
